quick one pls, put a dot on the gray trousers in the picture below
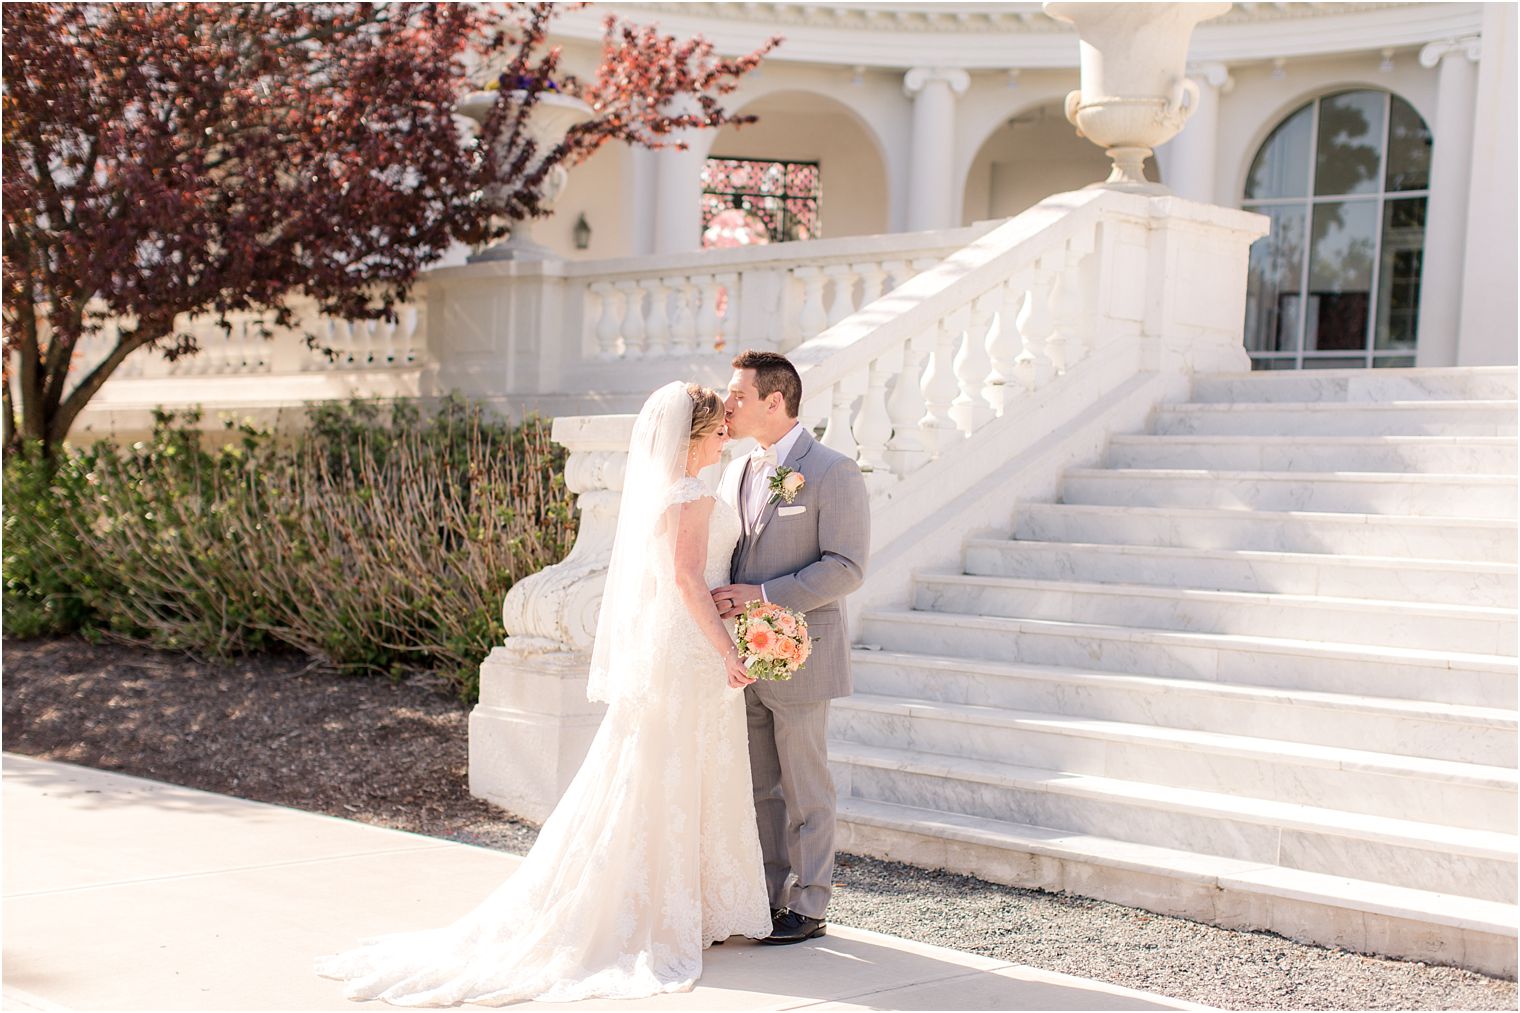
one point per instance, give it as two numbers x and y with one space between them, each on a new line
794 801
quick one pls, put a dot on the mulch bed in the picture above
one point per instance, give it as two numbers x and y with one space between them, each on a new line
265 727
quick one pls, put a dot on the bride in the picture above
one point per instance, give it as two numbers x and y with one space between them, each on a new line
653 853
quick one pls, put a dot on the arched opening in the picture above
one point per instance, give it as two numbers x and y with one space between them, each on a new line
1345 180
1029 157
808 169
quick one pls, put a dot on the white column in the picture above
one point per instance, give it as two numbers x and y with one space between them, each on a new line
678 192
1190 158
1446 212
638 203
931 160
1489 300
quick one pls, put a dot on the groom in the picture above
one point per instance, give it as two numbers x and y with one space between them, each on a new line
806 552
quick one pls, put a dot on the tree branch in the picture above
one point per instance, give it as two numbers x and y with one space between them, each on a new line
69 409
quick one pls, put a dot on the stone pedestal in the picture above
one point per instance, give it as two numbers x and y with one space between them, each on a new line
531 729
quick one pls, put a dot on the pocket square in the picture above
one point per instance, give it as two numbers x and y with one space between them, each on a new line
790 511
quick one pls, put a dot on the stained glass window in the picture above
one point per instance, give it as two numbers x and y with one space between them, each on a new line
747 201
1337 283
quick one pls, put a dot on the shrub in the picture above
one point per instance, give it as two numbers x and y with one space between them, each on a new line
369 544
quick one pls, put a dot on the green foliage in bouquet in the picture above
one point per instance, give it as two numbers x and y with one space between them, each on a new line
376 540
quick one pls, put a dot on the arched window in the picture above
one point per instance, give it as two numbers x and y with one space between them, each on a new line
1337 283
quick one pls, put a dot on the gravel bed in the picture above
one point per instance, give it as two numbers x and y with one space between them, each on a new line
395 754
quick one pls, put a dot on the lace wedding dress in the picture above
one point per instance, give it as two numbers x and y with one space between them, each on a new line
651 855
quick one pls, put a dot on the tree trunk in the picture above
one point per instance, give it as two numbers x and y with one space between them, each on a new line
68 410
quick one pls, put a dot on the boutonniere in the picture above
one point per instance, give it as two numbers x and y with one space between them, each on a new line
785 485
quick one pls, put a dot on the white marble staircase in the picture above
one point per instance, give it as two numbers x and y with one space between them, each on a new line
1257 669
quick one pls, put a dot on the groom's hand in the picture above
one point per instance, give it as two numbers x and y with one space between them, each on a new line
730 599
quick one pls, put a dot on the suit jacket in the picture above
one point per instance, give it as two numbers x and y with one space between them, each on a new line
809 555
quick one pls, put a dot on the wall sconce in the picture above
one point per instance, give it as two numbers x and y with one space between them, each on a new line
582 232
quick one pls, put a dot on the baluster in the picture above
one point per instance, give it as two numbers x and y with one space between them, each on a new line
261 354
970 409
873 427
1034 365
656 321
939 385
872 278
837 435
842 304
707 313
633 319
365 334
242 349
343 335
907 451
383 343
406 334
213 354
812 319
898 272
728 320
683 322
237 342
607 323
1004 345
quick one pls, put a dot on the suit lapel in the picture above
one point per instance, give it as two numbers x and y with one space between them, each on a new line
741 498
793 460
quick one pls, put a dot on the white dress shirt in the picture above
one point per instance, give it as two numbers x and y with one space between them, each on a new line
759 491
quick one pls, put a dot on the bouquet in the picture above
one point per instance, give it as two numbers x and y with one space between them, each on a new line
773 641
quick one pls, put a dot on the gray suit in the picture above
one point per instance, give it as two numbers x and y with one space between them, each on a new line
808 559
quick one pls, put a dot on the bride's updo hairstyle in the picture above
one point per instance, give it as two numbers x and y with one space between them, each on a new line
706 411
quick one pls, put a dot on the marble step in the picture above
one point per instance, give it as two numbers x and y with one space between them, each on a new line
1302 617
1467 455
1482 383
1447 538
1399 852
1455 583
1325 418
1366 917
1467 734
1451 794
1326 492
1478 680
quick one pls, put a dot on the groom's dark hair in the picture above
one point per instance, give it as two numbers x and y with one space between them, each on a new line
773 372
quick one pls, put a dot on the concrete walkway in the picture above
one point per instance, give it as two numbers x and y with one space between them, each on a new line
127 894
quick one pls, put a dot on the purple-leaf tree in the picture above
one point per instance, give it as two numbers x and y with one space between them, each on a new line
169 160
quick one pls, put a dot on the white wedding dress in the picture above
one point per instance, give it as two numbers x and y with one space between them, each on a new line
651 855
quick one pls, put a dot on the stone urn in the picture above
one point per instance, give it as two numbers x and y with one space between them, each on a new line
551 118
1135 94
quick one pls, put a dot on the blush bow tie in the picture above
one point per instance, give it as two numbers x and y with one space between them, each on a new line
763 456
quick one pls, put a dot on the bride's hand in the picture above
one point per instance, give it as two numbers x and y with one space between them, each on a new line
738 675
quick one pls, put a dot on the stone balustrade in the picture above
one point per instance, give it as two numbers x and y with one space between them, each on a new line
1029 329
554 336
766 297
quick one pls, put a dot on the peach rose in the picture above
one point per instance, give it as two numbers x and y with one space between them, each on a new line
789 651
786 625
806 649
792 484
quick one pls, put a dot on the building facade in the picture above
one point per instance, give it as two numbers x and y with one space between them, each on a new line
1379 137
